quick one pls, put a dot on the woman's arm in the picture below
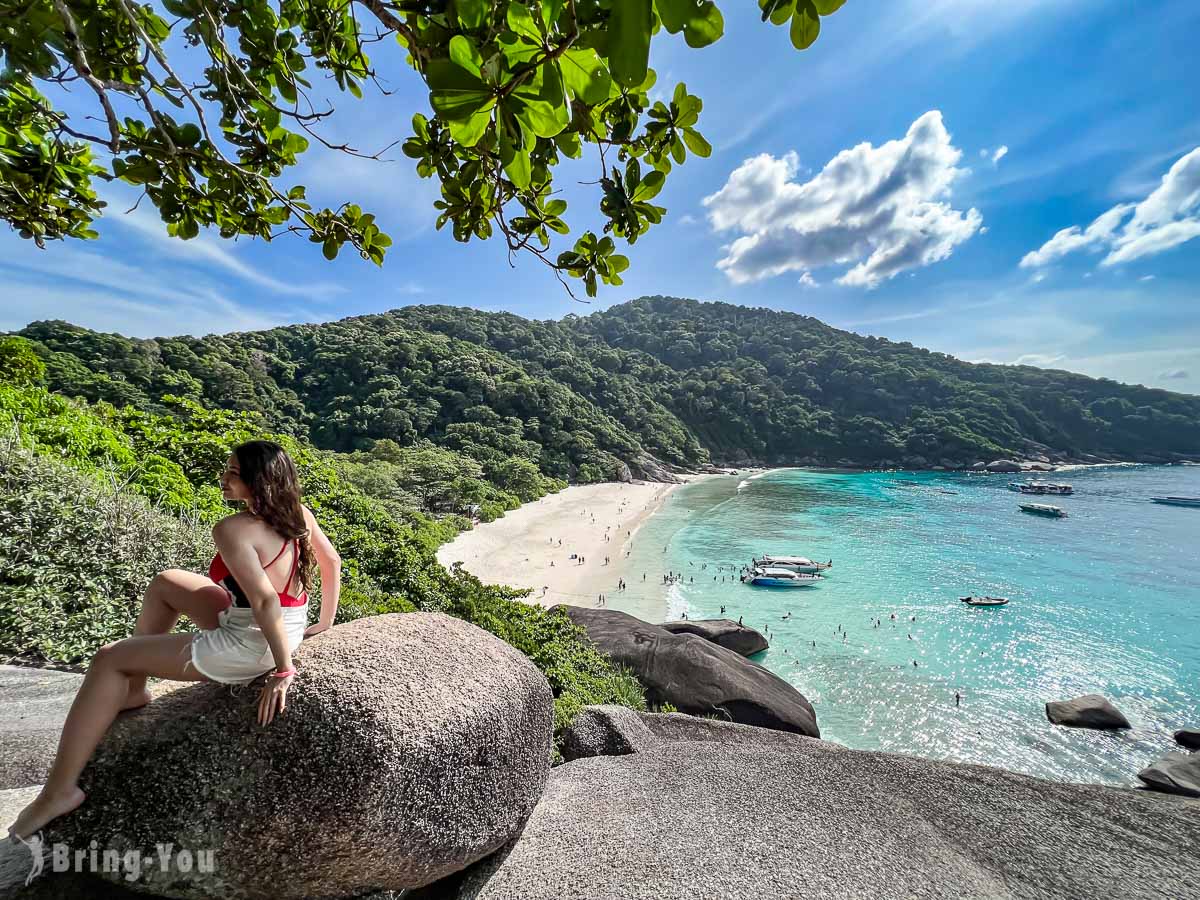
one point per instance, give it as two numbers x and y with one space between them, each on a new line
243 563
330 565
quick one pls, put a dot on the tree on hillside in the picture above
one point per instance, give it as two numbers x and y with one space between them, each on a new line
205 105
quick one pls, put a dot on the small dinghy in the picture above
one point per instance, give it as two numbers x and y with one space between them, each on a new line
984 601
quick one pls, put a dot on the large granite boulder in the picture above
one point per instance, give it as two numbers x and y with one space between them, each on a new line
725 632
412 746
1003 465
1175 773
1188 737
696 676
711 819
1088 711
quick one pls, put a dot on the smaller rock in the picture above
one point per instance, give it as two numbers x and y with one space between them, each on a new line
1189 737
725 632
605 731
1175 773
1088 711
1003 465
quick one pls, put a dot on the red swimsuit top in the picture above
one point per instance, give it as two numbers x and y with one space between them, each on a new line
219 572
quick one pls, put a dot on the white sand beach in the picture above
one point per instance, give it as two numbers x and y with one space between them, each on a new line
532 547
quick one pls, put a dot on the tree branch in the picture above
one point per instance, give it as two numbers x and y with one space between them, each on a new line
71 32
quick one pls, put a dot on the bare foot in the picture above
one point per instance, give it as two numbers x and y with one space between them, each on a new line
138 699
44 809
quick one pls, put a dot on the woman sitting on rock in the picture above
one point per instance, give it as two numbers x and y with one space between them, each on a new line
252 609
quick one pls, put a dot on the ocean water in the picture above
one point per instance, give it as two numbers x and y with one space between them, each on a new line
1105 601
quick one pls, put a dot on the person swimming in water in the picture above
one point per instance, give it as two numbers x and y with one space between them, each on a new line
252 609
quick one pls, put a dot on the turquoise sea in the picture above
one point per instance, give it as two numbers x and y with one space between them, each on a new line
1106 600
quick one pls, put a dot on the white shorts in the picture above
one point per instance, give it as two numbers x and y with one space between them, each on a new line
236 651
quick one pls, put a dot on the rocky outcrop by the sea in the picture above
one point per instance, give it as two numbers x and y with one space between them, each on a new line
740 639
1088 711
694 675
1175 773
741 813
1188 737
412 746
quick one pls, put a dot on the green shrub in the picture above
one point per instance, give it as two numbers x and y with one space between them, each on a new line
76 556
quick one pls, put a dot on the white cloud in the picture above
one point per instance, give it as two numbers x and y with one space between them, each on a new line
1146 278
998 154
808 281
1174 374
882 210
1071 239
1167 217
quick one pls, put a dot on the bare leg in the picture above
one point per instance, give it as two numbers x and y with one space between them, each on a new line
173 593
100 698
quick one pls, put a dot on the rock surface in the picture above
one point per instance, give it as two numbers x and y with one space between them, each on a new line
694 675
35 703
1088 711
1003 465
605 731
725 632
1175 773
1188 737
413 745
709 819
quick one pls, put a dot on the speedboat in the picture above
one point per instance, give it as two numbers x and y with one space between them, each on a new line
1177 501
1044 509
1040 487
800 564
984 601
776 577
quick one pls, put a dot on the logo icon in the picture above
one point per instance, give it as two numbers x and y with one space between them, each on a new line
36 844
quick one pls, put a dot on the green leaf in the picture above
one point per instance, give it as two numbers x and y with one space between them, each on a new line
540 104
699 20
460 98
585 75
515 160
806 25
649 186
696 142
464 52
469 132
471 13
522 22
629 41
828 7
778 11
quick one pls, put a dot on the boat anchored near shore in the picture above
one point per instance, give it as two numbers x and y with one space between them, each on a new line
1044 509
984 601
775 577
1040 487
800 564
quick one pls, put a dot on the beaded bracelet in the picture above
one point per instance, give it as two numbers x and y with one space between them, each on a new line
283 674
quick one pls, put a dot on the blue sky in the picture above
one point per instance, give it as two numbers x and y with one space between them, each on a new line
1008 182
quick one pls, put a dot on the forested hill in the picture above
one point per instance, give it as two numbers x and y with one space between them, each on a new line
678 380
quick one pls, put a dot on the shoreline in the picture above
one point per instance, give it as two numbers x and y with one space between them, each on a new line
531 547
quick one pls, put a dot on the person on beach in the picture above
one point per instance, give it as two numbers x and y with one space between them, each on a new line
957 698
252 609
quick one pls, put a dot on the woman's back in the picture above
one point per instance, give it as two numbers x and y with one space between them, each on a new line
282 558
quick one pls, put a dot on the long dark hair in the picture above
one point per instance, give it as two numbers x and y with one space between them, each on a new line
274 485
